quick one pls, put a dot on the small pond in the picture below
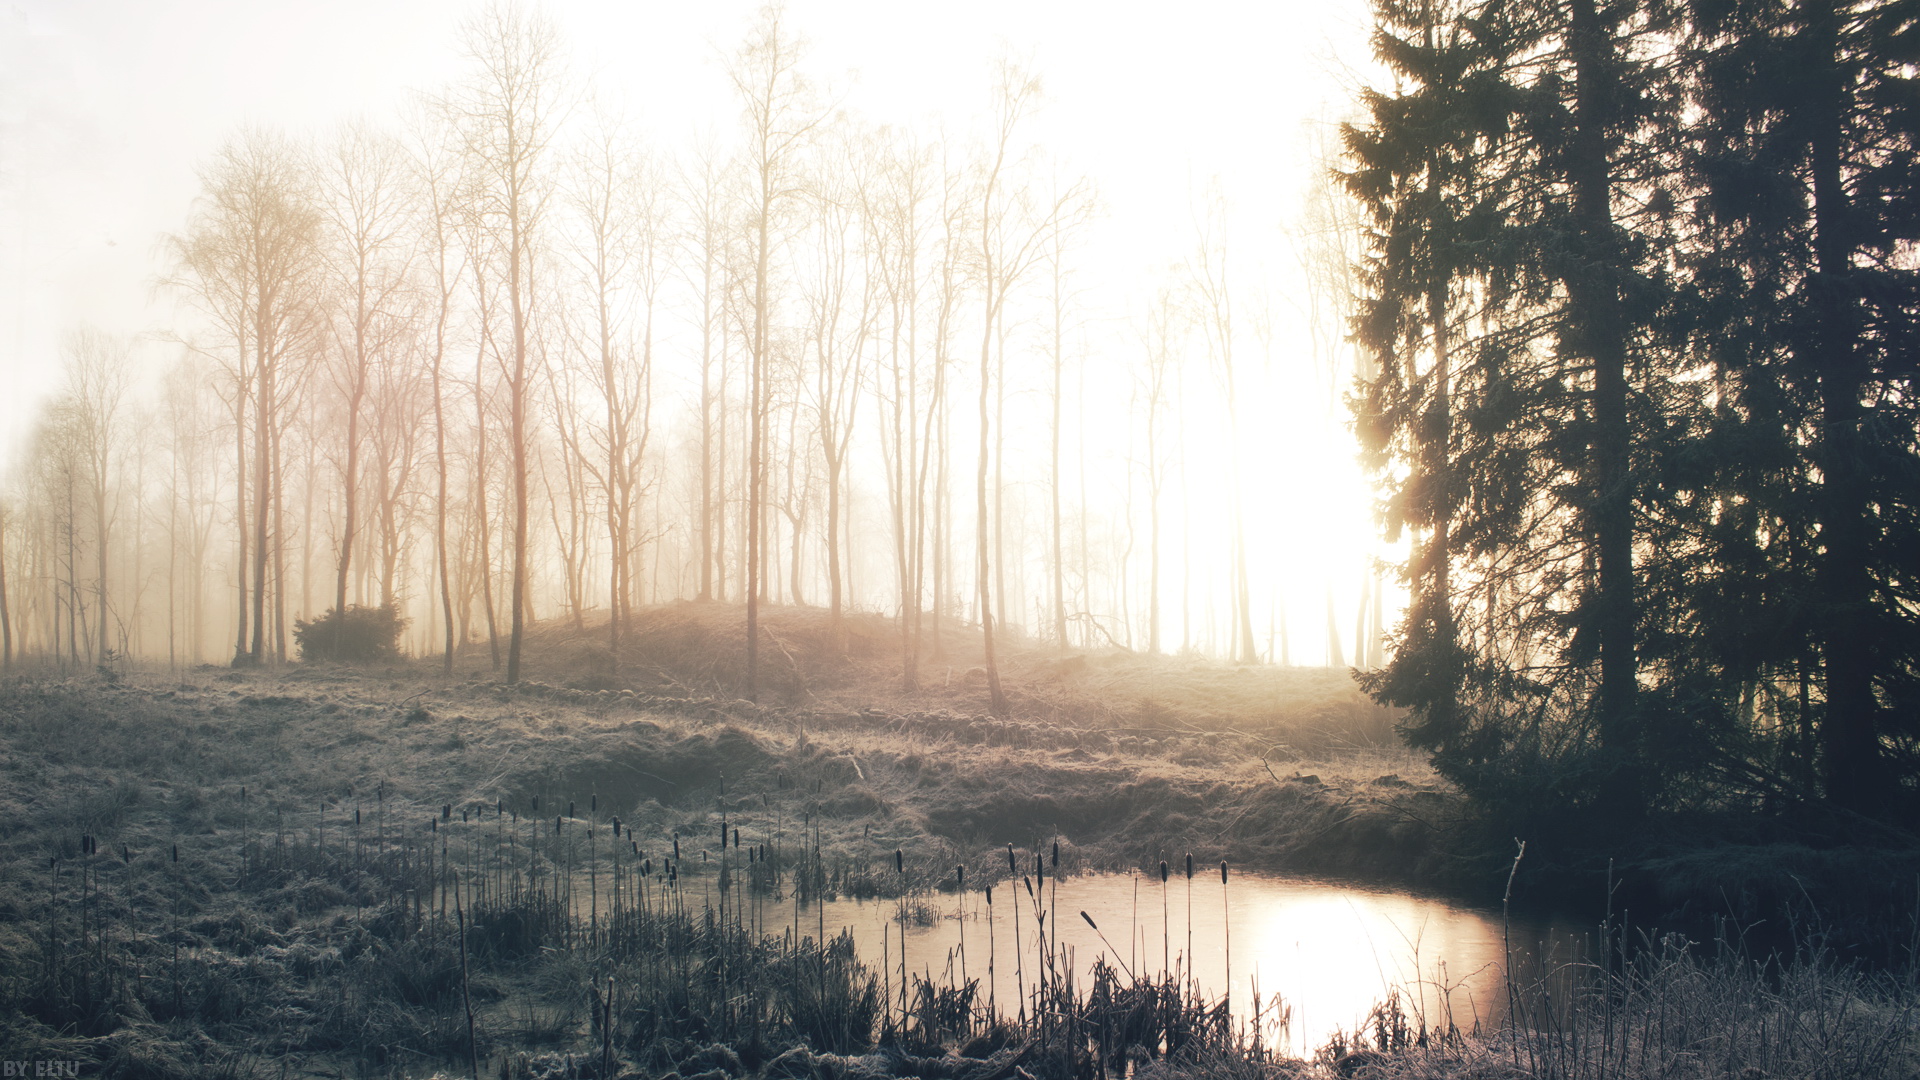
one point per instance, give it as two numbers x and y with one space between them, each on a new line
1307 957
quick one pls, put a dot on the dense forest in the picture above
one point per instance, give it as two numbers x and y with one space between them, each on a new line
1641 293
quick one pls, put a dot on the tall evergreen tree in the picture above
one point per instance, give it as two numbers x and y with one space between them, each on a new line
1804 160
1529 405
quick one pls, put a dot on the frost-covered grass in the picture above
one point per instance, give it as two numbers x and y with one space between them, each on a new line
240 873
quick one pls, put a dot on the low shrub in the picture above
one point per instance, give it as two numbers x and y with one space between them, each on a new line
359 635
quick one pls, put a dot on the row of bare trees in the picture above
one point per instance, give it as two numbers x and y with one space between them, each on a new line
505 353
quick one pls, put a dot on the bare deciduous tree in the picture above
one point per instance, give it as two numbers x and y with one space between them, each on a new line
248 260
506 116
780 119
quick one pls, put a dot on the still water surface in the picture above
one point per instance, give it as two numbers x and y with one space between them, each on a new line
1307 958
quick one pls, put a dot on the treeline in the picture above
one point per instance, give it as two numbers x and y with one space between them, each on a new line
1641 292
503 353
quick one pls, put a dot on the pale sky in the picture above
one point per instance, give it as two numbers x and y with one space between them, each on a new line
106 107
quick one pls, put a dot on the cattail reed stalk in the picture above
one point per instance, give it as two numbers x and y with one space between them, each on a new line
1166 927
1054 900
960 891
1506 942
1019 943
1226 933
900 868
1040 934
1188 960
466 996
1040 916
993 1005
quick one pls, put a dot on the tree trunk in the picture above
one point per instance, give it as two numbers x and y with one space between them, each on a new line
100 547
440 499
1600 327
262 508
996 697
279 552
1855 773
240 475
517 425
1059 553
485 523
6 609
350 512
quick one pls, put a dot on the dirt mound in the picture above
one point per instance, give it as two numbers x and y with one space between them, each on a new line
698 649
642 762
701 647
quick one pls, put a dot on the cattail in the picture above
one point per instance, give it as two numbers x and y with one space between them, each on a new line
556 826
536 804
446 812
1028 882
676 845
593 803
356 817
959 877
1226 927
433 825
1011 869
1163 871
569 807
899 861
1056 854
463 815
176 853
616 828
989 896
499 807
736 839
1090 922
1189 866
125 855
